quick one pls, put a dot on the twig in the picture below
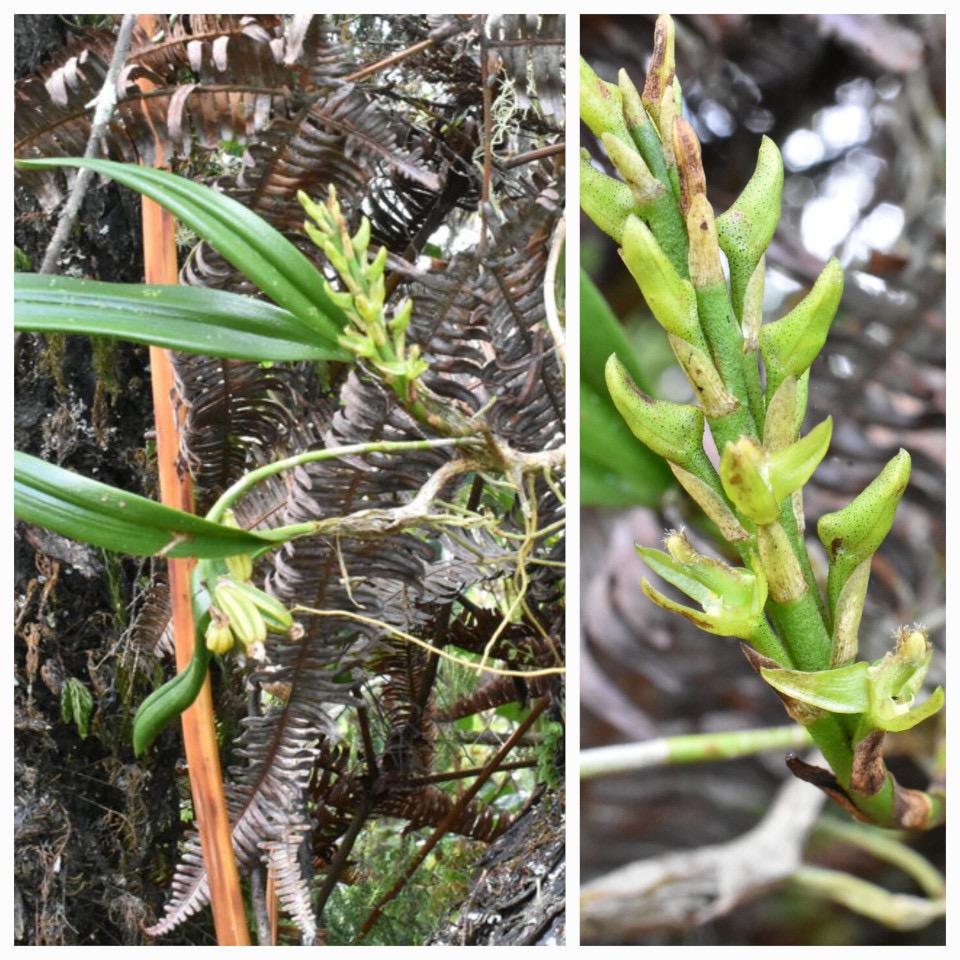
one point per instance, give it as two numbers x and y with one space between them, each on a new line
530 156
687 889
550 291
897 911
693 748
106 101
408 52
393 631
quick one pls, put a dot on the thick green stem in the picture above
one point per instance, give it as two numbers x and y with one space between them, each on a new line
798 622
788 521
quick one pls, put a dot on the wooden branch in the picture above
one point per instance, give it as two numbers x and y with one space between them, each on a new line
106 101
691 887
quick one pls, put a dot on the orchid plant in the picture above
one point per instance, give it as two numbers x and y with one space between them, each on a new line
751 380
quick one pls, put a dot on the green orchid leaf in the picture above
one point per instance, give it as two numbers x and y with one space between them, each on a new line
601 334
93 512
192 319
248 242
615 470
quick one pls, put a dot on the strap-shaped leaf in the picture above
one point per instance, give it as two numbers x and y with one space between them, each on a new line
247 241
93 512
192 319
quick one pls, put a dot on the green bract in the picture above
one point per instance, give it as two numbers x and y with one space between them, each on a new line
601 104
608 202
671 298
883 693
746 229
854 533
672 430
792 343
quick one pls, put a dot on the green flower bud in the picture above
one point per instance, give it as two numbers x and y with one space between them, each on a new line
792 466
376 266
671 299
409 368
745 475
791 344
340 298
607 202
853 534
240 566
895 681
662 65
732 598
219 636
361 239
315 211
674 431
757 481
358 343
402 315
747 228
601 104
